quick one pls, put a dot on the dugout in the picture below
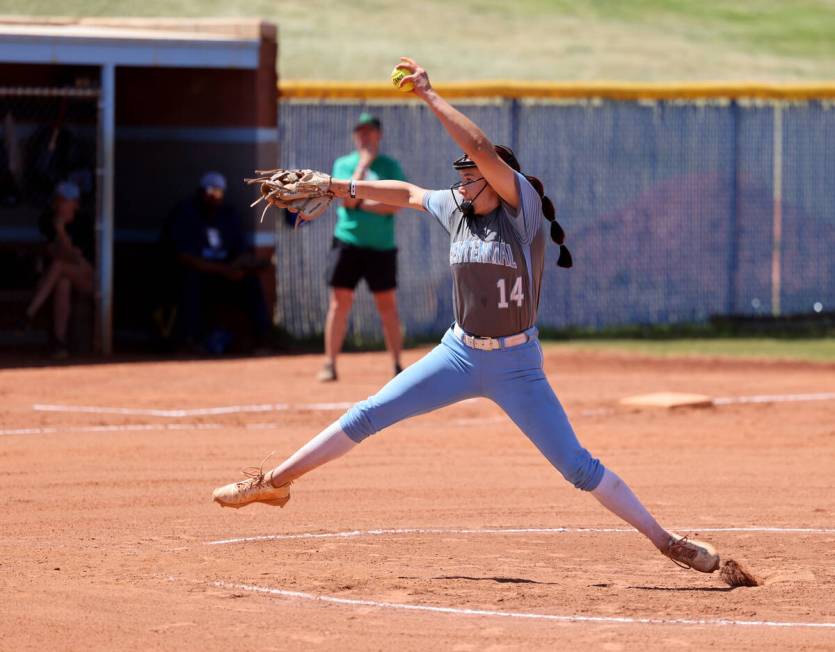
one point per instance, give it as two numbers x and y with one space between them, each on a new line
146 106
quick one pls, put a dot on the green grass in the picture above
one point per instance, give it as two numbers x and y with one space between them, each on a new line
693 340
637 40
810 350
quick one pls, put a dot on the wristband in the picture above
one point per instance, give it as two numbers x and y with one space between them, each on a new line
352 189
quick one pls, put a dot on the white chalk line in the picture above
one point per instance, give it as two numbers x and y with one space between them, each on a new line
575 618
578 618
349 534
179 413
135 427
196 412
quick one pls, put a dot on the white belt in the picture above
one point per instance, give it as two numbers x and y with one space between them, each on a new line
489 343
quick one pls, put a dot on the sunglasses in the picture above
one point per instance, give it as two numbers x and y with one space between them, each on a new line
461 184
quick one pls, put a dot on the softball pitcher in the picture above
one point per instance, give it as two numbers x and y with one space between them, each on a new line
494 216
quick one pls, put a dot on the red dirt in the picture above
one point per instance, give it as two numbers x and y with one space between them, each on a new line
103 542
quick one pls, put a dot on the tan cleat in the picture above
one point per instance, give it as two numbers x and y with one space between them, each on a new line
255 489
689 553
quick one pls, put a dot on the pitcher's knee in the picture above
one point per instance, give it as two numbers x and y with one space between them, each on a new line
584 471
358 422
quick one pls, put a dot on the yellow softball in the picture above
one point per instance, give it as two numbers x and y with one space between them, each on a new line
399 73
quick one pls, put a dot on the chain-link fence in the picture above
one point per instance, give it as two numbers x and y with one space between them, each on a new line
47 136
675 211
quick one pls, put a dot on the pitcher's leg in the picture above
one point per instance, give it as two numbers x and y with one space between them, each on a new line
616 496
526 396
532 405
325 447
442 377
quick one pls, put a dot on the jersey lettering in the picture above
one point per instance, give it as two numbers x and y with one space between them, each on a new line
476 251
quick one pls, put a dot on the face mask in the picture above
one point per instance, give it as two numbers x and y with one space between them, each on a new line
466 207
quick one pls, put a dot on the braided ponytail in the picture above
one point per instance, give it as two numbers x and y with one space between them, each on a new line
550 213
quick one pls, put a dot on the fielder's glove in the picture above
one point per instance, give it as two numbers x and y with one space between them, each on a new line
304 192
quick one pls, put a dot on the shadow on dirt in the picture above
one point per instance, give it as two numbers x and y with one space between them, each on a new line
499 580
696 589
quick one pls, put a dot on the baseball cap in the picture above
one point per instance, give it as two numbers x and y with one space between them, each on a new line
68 190
213 180
367 119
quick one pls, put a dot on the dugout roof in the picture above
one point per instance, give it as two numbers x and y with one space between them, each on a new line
133 42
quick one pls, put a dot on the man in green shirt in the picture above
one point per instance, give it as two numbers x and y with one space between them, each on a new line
363 247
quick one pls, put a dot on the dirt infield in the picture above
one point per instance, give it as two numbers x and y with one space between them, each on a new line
447 531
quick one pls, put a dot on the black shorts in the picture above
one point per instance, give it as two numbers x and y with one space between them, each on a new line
348 264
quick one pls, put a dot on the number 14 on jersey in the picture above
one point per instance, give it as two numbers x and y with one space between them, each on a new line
516 293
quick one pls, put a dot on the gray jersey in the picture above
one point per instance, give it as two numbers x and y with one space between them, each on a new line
496 260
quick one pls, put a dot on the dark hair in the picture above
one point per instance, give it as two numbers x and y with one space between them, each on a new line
548 210
550 213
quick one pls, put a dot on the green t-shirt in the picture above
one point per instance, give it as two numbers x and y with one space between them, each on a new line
361 228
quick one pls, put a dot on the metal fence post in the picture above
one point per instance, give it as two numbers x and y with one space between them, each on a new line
514 125
104 218
777 215
733 226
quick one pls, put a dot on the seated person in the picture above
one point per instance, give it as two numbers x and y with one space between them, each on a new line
208 245
70 248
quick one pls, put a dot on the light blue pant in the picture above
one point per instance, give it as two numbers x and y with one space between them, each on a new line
512 378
